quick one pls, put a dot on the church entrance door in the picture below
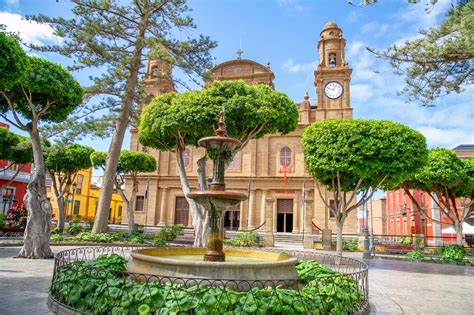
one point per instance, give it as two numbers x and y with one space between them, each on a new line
181 211
285 215
232 218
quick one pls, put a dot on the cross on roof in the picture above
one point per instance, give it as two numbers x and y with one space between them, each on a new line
239 53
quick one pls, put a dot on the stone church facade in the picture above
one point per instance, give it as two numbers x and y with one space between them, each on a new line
273 166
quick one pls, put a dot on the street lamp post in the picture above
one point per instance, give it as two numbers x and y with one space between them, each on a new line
366 254
74 186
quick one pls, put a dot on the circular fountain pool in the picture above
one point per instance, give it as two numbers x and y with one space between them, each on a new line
240 264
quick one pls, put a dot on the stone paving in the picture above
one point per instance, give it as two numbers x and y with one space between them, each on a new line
396 287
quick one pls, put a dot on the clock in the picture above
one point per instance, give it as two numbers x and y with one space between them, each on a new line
333 90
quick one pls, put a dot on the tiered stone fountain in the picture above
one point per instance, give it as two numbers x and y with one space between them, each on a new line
214 262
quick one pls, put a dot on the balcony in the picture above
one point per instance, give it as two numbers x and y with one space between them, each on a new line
23 177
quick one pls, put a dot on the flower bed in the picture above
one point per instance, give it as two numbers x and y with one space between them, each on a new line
95 280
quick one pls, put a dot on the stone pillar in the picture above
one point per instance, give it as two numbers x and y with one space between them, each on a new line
308 241
251 214
262 207
327 239
163 206
268 238
297 215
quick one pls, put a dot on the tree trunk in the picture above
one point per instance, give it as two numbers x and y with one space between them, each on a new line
102 214
61 214
38 225
339 226
131 206
202 183
197 213
458 228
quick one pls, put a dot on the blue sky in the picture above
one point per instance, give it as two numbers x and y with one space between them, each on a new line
285 33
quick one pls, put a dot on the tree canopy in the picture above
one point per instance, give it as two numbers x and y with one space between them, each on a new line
46 90
364 153
440 61
13 62
68 159
251 111
130 162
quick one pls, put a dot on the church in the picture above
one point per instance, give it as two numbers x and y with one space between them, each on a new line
271 169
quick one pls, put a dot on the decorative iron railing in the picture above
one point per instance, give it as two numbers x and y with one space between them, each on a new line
81 287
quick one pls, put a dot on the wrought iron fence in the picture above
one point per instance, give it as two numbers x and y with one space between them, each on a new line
83 287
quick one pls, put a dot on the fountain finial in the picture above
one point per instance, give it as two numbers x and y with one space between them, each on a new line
221 132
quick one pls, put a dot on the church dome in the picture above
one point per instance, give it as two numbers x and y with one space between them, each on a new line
329 25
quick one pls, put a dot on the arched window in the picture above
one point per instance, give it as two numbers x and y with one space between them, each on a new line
332 60
186 154
285 156
154 71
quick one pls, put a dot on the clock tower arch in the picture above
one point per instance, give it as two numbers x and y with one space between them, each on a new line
332 76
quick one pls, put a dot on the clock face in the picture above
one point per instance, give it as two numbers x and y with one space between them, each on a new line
333 90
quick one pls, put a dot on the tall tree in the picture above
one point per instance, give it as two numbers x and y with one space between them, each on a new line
173 121
445 178
116 36
63 163
441 60
131 164
359 156
43 92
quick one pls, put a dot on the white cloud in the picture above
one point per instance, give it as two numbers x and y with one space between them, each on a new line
30 32
361 92
291 67
445 138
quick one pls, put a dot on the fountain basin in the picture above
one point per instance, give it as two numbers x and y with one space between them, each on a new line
240 264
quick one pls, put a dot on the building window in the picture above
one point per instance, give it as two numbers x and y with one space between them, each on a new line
186 155
235 164
285 156
154 71
332 204
80 179
139 203
77 207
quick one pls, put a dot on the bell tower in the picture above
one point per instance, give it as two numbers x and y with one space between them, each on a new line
332 76
158 79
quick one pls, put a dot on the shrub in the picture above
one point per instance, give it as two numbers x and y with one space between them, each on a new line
244 239
352 246
74 227
56 238
170 232
2 221
405 240
158 241
17 216
453 252
56 231
417 255
96 238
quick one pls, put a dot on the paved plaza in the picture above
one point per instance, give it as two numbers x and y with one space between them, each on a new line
396 287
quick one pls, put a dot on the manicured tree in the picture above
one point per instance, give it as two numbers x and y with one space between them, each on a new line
173 121
359 156
44 92
115 38
63 163
131 164
445 177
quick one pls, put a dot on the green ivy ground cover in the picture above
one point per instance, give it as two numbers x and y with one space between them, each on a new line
101 287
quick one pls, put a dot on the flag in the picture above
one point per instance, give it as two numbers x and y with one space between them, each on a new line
147 188
284 175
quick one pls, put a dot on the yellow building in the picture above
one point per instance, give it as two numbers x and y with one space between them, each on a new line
85 200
